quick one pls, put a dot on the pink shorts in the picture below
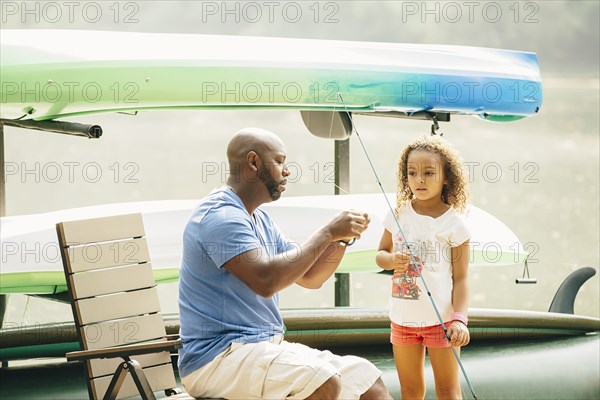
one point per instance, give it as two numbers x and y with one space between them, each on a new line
430 336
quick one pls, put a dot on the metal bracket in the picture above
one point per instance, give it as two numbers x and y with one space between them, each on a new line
435 127
139 378
64 127
526 271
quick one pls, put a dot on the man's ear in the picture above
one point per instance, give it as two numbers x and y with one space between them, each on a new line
252 160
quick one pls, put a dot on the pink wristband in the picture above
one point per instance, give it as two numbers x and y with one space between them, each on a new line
460 317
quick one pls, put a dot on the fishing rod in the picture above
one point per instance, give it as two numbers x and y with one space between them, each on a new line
412 257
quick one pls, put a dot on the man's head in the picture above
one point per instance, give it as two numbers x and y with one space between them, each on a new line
257 163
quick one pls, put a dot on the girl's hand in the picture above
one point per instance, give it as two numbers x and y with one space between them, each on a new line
459 334
401 261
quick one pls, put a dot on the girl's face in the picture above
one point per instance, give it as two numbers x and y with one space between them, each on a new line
425 172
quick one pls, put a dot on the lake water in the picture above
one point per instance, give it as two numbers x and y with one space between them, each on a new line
540 176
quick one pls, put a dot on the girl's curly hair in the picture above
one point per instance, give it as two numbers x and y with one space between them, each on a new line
455 192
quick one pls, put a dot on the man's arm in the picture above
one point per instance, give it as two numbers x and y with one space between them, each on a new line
324 267
326 264
268 275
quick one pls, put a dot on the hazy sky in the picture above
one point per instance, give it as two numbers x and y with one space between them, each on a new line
564 34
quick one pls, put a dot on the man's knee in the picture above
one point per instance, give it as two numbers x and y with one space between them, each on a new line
377 392
330 389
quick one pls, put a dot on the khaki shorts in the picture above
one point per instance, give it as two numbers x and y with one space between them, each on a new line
278 369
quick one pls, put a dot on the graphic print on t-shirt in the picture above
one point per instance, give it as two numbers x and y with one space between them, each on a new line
404 285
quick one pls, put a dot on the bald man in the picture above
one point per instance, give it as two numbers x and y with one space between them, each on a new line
235 261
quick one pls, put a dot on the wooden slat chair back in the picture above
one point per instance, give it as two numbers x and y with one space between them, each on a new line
116 308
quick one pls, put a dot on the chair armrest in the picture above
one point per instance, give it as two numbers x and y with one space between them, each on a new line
170 343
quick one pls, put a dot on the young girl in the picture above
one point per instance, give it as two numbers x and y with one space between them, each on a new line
431 195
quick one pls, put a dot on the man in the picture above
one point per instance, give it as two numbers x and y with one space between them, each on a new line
235 260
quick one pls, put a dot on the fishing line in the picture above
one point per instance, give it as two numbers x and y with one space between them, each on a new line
412 257
342 189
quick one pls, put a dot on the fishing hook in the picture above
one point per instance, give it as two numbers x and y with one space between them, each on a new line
412 257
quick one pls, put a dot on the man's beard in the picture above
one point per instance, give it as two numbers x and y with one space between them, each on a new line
272 186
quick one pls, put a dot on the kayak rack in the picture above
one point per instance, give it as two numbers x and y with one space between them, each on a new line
64 127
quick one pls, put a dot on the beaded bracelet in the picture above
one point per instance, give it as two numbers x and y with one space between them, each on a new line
460 317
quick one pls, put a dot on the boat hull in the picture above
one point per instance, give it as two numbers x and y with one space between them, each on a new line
327 328
31 262
513 354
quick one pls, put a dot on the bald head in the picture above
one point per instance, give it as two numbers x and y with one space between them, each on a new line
257 166
246 140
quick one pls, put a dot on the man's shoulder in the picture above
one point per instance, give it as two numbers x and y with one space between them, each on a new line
215 200
263 215
218 207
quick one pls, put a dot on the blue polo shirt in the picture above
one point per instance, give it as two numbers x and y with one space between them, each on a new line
215 307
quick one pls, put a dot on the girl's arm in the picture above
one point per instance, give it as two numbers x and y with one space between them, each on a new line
386 258
459 334
460 278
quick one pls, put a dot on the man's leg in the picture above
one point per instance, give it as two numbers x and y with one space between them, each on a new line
377 392
329 390
358 377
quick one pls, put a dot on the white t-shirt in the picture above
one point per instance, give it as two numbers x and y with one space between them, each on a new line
431 240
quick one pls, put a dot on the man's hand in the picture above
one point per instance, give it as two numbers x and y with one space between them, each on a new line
348 225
